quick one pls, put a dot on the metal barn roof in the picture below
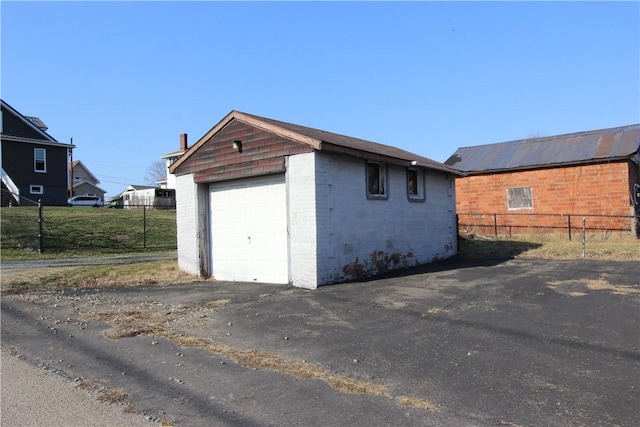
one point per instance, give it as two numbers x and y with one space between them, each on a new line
575 148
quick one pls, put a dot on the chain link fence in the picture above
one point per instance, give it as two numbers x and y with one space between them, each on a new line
601 234
83 230
546 226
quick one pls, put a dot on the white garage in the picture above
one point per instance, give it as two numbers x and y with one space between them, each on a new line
260 200
249 229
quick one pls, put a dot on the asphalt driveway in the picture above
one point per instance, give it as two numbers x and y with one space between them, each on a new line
519 342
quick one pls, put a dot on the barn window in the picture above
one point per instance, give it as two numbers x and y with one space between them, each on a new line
39 160
36 189
377 180
519 198
415 185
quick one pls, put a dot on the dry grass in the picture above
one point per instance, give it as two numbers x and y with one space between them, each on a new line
130 324
144 273
111 396
348 385
416 402
579 288
550 247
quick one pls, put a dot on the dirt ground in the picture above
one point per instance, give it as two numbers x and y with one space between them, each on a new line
519 342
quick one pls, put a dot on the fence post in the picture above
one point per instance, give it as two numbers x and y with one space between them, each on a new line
144 225
458 233
584 236
40 226
495 224
569 225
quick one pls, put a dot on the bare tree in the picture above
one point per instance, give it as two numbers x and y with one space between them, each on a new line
157 171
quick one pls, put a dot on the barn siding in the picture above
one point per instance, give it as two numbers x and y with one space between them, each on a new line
262 153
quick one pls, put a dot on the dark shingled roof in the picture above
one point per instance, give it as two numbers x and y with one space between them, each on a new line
320 140
575 148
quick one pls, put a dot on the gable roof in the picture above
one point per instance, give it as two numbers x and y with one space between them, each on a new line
89 183
133 187
78 163
44 137
576 148
317 139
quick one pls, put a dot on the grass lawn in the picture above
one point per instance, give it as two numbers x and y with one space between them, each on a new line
87 232
615 248
84 232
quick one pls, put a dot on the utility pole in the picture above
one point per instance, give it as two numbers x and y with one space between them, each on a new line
71 169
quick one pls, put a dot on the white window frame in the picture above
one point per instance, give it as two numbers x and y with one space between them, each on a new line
36 189
415 185
43 160
377 188
517 202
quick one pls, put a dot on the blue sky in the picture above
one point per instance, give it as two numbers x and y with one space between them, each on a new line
124 79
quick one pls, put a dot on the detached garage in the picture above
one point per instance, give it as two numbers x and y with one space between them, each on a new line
266 201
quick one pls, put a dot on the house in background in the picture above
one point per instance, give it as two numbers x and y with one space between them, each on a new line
170 158
84 182
585 173
139 196
268 201
34 165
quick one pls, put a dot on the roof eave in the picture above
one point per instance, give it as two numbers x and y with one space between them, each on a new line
551 165
252 121
52 143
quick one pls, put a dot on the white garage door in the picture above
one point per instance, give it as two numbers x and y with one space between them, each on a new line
249 230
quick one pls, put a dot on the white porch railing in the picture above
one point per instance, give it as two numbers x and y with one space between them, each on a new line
13 188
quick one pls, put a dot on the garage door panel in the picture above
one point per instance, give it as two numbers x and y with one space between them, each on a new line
249 230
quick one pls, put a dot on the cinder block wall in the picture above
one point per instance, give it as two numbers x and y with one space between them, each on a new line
187 226
358 237
598 189
301 209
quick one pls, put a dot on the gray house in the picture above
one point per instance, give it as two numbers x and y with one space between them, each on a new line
34 164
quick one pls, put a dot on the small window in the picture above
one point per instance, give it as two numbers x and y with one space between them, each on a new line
377 180
415 185
519 198
36 189
39 160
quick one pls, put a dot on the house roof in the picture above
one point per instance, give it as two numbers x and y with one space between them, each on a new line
177 153
139 187
318 139
84 181
576 148
78 163
33 124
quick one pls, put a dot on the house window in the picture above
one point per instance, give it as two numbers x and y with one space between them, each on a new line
39 160
415 185
36 189
519 198
377 180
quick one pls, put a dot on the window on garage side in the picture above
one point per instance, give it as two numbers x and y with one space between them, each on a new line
377 180
519 198
39 160
415 185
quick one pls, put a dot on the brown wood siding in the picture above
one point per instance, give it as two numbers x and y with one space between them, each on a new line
262 153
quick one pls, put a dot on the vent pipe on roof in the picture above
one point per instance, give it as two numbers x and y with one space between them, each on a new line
183 142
